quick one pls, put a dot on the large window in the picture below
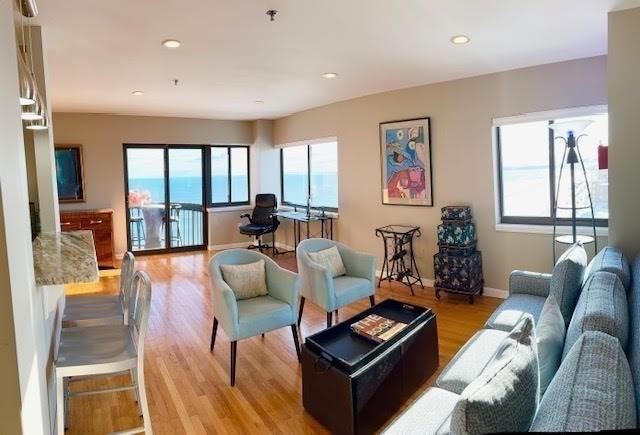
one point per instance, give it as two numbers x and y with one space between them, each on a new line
229 175
529 166
310 172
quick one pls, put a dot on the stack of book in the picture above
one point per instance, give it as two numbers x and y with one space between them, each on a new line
377 328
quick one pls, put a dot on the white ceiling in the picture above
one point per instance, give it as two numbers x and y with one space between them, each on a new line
99 51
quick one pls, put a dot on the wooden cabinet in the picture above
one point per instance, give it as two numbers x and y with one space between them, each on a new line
100 222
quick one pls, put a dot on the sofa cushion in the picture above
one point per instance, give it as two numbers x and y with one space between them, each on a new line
550 332
261 314
633 348
566 279
602 307
514 309
610 259
428 414
592 391
471 360
505 396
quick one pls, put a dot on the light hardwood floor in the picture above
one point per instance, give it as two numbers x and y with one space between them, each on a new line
188 387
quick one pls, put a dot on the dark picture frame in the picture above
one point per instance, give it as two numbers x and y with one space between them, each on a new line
406 172
69 173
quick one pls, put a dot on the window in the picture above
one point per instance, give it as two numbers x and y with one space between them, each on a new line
529 162
310 171
229 167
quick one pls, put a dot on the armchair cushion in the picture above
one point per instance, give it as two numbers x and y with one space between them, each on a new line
331 259
246 280
349 289
263 314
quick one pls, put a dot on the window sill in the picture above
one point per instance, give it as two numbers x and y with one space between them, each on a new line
547 229
229 208
285 207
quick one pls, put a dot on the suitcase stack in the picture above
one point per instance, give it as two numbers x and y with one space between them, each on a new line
458 264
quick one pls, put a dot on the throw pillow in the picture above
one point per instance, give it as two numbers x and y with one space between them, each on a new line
550 332
246 280
505 396
331 259
566 279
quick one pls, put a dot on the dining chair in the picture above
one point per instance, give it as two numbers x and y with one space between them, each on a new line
332 293
90 310
246 318
101 350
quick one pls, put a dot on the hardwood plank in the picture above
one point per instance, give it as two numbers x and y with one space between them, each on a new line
188 386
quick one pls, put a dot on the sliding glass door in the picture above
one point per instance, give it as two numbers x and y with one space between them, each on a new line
165 197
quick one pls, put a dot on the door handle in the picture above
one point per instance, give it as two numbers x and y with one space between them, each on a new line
65 223
95 222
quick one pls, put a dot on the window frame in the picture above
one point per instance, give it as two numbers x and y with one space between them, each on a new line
539 220
229 202
291 204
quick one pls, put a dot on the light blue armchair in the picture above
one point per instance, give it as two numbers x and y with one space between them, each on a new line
317 284
249 317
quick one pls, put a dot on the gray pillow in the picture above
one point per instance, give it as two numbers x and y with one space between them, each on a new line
602 307
505 396
331 259
246 280
550 332
566 279
592 391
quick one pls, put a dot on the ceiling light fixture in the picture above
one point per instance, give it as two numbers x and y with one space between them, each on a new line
259 102
329 75
137 93
37 125
33 112
460 39
272 14
171 43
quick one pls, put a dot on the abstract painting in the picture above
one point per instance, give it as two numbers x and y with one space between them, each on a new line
406 162
69 173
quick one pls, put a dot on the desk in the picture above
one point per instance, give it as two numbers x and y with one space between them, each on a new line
298 217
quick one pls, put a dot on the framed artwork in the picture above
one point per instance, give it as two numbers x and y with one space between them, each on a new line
406 162
69 173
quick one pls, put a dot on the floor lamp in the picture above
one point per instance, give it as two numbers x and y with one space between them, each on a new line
570 133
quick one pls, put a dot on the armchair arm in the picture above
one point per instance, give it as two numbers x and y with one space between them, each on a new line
282 284
359 264
531 283
246 215
225 306
316 282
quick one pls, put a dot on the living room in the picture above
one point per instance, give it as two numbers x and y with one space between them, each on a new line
340 156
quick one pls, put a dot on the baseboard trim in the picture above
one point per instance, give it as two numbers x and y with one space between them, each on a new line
488 291
228 246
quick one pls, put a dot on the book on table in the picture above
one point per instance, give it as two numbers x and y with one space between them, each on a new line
377 328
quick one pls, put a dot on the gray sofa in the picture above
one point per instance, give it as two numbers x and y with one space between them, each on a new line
596 386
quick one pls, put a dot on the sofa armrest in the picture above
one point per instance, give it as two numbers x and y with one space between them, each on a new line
531 283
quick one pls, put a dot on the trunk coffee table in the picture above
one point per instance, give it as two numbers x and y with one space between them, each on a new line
353 385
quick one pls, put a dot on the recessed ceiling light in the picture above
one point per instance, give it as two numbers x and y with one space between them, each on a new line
259 102
329 75
460 39
171 43
137 93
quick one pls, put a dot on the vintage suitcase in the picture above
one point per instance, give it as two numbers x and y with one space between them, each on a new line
457 251
456 213
462 274
460 234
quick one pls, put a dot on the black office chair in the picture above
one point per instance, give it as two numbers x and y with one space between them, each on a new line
262 221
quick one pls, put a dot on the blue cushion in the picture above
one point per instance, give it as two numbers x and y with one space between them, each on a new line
550 333
612 260
592 391
633 349
602 307
566 279
350 288
514 309
262 314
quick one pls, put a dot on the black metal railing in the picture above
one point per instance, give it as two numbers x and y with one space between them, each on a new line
186 227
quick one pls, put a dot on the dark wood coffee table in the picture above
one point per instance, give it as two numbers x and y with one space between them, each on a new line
353 385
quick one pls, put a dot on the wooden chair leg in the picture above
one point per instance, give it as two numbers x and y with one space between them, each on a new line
300 310
372 300
294 330
214 331
329 318
234 348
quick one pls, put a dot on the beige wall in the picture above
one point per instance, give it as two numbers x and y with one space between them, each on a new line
624 107
102 136
461 112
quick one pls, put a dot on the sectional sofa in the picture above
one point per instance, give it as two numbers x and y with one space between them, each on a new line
595 384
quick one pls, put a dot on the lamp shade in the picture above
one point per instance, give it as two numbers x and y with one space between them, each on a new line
33 112
40 124
562 129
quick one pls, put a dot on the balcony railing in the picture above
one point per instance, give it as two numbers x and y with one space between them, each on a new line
148 226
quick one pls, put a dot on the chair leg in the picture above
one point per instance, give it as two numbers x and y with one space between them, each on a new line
142 394
300 310
234 349
214 331
294 329
372 300
134 381
273 244
60 405
329 318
